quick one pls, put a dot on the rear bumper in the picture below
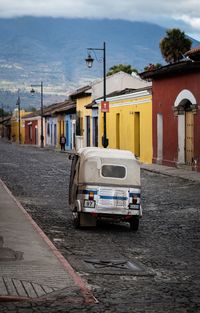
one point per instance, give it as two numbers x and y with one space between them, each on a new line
113 212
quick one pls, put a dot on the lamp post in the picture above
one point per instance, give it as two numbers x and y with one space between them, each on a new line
2 120
19 119
89 61
41 109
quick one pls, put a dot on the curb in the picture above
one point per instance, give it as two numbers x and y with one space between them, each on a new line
184 176
86 293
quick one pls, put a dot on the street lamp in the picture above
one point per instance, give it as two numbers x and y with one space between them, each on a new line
2 120
41 109
19 119
89 61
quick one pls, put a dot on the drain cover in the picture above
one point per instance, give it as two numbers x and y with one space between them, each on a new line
112 264
108 266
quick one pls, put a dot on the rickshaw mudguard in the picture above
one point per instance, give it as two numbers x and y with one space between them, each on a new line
78 206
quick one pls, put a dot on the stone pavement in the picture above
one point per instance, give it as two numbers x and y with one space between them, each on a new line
30 265
172 171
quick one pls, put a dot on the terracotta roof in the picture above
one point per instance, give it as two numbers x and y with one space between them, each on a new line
66 107
80 92
90 105
53 108
173 69
193 50
194 53
5 119
59 107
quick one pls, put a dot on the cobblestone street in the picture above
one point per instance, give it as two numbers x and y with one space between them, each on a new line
166 247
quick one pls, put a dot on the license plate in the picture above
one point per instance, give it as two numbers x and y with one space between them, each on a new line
134 206
89 204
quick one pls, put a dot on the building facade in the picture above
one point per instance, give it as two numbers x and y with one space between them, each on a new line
129 122
176 114
88 115
18 126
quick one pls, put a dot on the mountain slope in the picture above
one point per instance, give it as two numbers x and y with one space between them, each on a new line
53 50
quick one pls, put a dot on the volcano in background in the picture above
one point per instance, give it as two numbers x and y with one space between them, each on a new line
53 50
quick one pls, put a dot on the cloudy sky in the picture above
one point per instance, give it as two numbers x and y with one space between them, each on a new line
184 14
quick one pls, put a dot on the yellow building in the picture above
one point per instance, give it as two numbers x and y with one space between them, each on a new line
15 126
129 122
87 121
82 98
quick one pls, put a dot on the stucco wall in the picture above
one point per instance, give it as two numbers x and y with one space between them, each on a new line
127 110
165 92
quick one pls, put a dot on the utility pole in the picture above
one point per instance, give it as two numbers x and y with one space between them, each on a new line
41 108
2 120
19 119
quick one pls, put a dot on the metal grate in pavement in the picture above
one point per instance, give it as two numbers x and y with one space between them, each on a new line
109 266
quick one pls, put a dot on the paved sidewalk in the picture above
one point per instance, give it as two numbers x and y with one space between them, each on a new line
30 265
172 171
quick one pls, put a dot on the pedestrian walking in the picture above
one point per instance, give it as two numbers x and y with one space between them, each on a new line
62 142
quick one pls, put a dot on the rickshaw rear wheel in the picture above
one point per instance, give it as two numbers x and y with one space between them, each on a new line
76 219
134 223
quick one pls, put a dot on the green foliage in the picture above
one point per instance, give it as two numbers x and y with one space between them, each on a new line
174 45
151 66
121 67
30 109
3 113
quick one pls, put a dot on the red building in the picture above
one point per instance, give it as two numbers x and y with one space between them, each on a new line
31 132
32 128
176 112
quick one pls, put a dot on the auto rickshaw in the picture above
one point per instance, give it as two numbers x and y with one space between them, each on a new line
105 183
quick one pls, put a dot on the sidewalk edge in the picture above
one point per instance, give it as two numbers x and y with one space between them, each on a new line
87 294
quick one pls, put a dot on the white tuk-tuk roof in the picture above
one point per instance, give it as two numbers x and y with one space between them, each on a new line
92 158
90 152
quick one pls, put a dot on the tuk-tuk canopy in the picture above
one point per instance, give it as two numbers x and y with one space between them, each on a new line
108 166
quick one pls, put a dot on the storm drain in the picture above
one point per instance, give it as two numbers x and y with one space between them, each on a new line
109 266
112 264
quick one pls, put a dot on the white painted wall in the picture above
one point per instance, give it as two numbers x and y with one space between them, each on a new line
181 138
159 137
118 82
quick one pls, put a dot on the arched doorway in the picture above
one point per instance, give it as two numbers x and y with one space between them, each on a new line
184 106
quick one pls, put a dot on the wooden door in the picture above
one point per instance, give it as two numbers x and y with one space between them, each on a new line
88 131
117 131
189 137
137 134
95 131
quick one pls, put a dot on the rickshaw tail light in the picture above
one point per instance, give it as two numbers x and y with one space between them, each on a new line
91 195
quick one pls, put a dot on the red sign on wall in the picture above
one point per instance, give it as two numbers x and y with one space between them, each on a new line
104 106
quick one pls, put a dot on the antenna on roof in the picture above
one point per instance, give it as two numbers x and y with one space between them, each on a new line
186 58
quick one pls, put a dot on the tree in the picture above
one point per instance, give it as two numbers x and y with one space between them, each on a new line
174 45
151 66
30 109
3 113
121 67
